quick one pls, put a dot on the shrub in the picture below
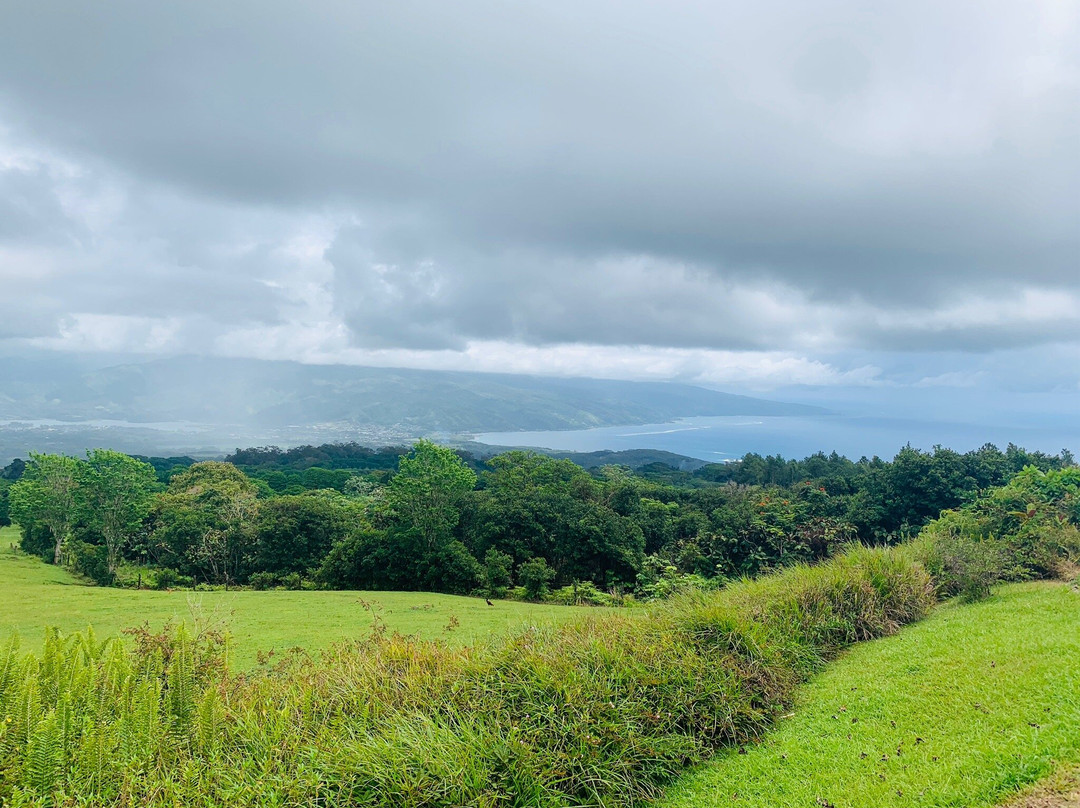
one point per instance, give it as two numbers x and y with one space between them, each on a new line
535 575
497 568
294 580
966 566
581 593
1059 546
1026 529
262 581
168 578
659 580
91 560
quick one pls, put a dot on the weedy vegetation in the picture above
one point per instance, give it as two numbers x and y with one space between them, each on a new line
601 711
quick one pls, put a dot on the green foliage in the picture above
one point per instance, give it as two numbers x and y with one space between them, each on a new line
44 498
425 495
425 527
1025 529
5 502
114 492
295 533
582 593
600 712
453 569
166 578
358 561
533 506
416 544
659 580
204 525
497 573
337 456
535 575
91 560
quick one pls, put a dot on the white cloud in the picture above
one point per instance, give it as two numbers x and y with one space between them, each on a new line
116 333
733 194
955 378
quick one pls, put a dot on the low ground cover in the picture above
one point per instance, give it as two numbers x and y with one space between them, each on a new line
600 711
960 710
36 595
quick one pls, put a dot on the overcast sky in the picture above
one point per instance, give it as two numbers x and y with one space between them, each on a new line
747 194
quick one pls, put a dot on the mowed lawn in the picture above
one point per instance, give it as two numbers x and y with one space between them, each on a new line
959 710
34 595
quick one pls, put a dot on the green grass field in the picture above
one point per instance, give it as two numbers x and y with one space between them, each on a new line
34 595
959 710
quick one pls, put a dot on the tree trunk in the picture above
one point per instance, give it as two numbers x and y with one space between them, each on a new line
59 533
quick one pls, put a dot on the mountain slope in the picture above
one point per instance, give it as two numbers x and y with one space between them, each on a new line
265 394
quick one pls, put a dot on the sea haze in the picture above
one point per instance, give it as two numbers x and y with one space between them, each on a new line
723 438
204 406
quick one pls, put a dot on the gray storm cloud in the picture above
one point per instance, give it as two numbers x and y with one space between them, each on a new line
424 175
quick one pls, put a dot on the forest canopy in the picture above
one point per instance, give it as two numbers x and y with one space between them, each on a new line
433 518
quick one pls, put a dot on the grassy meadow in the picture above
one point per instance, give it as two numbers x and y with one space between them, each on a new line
36 595
961 709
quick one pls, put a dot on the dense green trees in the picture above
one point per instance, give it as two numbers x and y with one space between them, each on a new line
295 533
408 534
9 475
114 492
426 495
524 523
535 576
205 522
533 506
5 502
44 497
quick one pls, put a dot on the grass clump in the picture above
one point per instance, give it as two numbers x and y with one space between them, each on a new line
602 711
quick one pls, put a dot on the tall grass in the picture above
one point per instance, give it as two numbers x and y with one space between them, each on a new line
599 712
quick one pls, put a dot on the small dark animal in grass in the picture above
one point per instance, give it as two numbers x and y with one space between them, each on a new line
488 602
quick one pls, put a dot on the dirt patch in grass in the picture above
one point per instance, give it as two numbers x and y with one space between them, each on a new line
1059 791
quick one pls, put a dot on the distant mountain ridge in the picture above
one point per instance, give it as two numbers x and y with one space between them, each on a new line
260 394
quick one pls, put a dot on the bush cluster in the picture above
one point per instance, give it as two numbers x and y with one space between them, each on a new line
1023 530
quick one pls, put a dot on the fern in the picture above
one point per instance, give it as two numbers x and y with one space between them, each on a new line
29 710
44 756
180 681
10 673
211 724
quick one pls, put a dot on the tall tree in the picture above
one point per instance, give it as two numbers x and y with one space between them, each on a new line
205 522
427 492
116 492
45 494
295 533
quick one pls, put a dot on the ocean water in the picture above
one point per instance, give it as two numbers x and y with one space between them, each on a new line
720 438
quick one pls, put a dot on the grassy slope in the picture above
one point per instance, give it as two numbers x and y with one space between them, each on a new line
35 594
993 691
